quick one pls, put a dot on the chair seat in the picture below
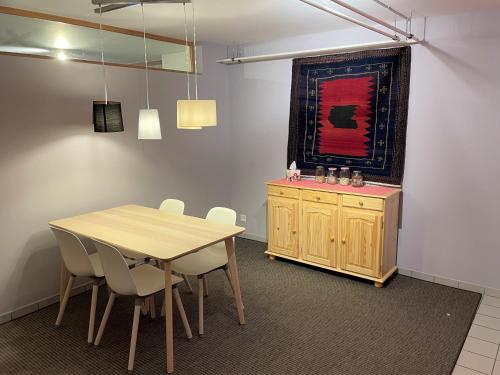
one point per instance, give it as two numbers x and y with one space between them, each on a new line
201 262
149 279
97 266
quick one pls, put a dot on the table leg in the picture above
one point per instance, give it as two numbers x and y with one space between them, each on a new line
233 272
63 280
169 326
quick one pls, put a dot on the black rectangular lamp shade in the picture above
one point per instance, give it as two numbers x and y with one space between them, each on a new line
107 117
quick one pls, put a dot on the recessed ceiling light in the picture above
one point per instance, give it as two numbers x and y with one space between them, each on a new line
62 56
25 50
61 42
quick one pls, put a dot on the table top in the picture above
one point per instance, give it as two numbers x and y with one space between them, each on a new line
149 231
367 190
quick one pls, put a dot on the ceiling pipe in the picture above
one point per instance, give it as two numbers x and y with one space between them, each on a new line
317 52
388 7
351 19
110 5
373 18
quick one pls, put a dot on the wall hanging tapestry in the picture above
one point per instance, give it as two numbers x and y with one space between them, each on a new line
351 110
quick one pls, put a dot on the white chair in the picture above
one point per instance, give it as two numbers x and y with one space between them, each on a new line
172 206
142 282
79 263
207 260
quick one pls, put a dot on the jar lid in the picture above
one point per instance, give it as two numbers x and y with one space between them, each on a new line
332 169
345 168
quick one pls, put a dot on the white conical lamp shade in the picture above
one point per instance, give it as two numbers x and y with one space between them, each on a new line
196 113
149 124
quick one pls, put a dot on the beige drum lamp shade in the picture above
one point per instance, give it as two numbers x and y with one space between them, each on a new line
196 113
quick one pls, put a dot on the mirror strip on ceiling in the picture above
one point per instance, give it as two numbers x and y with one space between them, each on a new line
175 48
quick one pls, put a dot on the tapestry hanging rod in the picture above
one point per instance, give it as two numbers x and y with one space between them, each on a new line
318 52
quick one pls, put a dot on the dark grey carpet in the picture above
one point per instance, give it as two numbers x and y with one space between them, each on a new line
300 321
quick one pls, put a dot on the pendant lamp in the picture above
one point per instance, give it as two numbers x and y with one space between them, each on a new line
107 116
149 121
195 114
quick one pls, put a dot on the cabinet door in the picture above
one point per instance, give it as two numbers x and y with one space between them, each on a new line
283 222
361 241
319 233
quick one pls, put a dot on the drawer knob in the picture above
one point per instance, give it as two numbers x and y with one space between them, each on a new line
318 198
281 192
361 204
332 239
343 241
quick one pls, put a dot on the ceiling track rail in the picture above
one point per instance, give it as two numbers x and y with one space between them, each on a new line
373 18
388 7
110 5
350 19
318 52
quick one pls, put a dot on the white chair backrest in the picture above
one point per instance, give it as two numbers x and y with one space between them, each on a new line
225 216
222 215
115 269
74 255
172 206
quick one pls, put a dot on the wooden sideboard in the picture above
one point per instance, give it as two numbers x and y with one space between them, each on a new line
340 228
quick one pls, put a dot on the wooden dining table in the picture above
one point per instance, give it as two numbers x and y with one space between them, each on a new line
159 235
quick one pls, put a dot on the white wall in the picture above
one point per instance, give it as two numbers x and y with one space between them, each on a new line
450 210
53 165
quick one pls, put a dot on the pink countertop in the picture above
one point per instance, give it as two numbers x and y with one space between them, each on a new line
368 190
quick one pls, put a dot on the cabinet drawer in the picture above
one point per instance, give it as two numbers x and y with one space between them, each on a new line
281 191
319 196
363 202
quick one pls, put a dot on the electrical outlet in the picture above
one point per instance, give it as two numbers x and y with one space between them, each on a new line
243 217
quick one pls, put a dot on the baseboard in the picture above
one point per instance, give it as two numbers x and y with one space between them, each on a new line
485 290
254 237
40 304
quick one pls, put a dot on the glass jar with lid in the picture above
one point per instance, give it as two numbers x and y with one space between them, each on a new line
357 179
332 176
320 174
344 176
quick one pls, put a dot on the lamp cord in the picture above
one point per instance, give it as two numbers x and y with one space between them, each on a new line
187 50
102 56
194 48
145 54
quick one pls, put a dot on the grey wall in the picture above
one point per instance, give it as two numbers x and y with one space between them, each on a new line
53 165
450 218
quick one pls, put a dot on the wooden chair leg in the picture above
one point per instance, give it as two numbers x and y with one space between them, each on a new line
152 307
104 320
62 306
93 304
205 285
145 307
135 329
182 313
200 306
228 275
162 313
188 284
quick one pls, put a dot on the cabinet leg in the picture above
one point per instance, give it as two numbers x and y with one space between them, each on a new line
378 285
271 257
